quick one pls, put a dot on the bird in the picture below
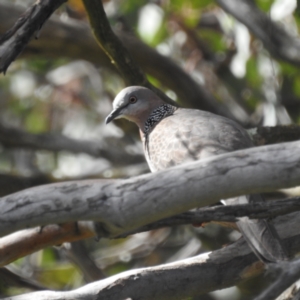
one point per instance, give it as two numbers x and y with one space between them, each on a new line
172 136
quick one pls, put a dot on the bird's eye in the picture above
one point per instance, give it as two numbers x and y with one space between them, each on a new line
132 99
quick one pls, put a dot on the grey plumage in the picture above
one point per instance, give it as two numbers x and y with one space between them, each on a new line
173 136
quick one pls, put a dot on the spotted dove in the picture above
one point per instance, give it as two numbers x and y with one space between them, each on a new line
172 136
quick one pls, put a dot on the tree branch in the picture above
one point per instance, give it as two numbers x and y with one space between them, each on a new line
14 40
179 280
275 39
126 203
32 240
122 205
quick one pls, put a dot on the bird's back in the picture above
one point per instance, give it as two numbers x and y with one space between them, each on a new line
189 135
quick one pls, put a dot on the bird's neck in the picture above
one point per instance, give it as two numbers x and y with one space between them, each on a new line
159 113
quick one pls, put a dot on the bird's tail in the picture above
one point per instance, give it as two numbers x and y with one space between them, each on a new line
260 235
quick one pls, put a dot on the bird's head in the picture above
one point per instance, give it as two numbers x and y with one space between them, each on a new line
134 103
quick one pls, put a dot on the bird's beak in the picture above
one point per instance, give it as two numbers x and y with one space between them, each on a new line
113 115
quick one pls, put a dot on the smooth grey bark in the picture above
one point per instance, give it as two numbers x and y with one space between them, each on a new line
122 205
179 280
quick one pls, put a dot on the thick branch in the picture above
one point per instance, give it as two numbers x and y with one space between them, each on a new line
32 240
14 40
275 39
122 205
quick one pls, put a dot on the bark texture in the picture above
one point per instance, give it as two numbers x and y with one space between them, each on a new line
122 205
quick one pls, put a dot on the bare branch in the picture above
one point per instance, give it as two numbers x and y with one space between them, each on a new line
275 39
179 280
260 171
122 205
32 240
14 40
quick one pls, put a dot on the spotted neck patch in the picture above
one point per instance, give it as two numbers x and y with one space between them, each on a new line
157 115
